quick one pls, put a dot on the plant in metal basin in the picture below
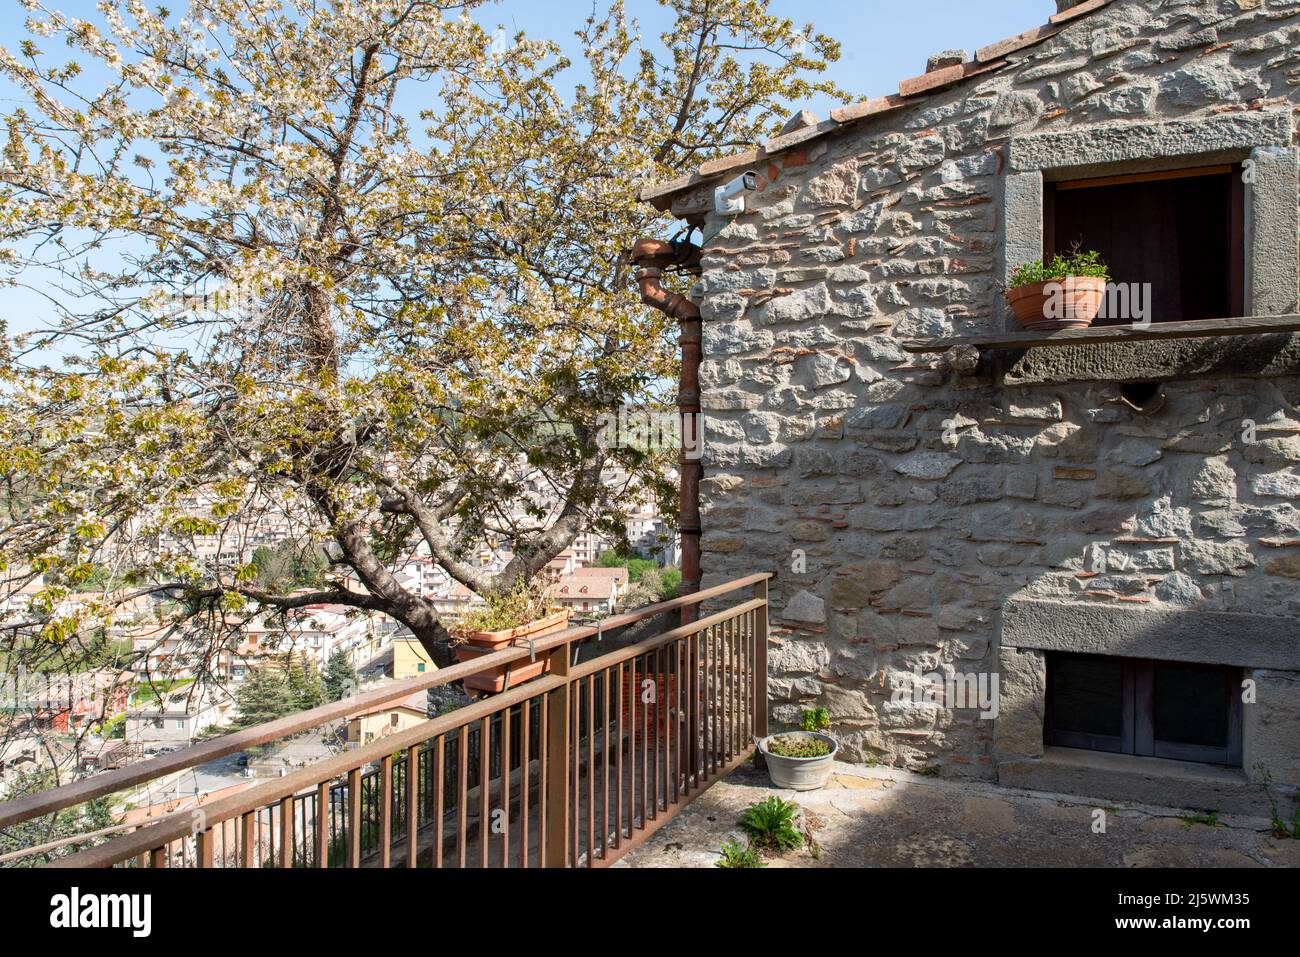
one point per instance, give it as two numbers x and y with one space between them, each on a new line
801 760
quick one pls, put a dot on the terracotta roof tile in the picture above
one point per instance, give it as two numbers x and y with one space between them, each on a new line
944 76
1078 10
995 51
778 143
723 163
880 104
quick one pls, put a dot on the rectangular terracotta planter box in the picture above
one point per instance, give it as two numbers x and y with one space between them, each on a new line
477 643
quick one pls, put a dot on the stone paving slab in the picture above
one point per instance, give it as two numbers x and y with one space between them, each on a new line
873 817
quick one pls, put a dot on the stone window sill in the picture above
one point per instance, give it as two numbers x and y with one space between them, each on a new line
1246 346
1140 779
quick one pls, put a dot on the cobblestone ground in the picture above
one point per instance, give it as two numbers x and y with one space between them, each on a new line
869 817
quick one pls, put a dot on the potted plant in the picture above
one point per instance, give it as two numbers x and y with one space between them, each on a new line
801 760
1066 293
506 618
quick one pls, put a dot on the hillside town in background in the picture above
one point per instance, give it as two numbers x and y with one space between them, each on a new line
165 686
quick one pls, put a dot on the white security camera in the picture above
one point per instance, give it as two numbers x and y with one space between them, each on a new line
729 198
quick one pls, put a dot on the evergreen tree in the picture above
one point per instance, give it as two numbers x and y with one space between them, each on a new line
94 815
340 677
264 696
304 683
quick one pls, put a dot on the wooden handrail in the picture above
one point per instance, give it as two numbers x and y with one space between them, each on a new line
78 792
649 644
179 824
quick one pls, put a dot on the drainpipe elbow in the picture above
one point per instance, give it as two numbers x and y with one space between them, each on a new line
672 304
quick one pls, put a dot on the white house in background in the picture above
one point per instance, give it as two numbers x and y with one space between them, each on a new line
565 563
651 537
456 601
168 652
590 591
313 631
177 720
16 601
588 546
423 576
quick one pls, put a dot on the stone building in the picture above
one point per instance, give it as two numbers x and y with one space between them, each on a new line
1110 528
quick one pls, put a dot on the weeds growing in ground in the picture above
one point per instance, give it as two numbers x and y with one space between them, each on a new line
770 824
737 855
1281 827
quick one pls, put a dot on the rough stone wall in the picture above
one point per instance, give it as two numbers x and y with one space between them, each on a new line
921 503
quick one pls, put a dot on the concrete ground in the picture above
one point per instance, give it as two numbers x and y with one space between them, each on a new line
873 817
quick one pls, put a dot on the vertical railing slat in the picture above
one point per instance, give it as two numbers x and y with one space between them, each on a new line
525 775
657 697
591 770
462 796
203 848
385 810
412 804
543 782
604 772
557 757
286 832
573 792
484 787
633 696
639 695
618 758
248 839
354 818
439 793
323 824
505 788
760 661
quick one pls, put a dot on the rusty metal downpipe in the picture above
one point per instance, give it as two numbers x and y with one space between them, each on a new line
652 256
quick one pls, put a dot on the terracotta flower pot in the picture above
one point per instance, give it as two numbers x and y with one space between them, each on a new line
476 643
1076 301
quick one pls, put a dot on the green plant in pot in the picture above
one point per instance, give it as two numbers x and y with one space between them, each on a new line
801 760
506 618
1065 293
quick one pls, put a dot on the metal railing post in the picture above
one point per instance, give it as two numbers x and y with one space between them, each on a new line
760 661
557 759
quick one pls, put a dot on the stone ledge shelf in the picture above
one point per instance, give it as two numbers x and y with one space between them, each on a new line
1246 325
1248 345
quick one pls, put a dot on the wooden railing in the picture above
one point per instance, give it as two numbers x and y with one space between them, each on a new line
570 769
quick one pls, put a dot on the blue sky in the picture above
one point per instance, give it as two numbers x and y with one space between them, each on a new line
883 41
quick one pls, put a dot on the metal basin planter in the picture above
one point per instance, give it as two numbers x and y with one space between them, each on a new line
799 774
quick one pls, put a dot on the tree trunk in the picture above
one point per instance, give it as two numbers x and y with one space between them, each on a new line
436 641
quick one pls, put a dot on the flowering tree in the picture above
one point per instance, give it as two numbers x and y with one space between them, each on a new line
354 271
